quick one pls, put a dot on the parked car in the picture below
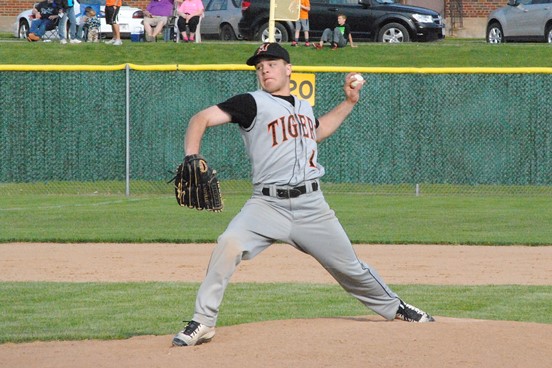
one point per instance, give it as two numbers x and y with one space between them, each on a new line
130 20
521 20
370 20
221 19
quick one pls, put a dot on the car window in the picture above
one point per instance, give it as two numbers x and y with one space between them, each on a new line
216 5
344 2
237 3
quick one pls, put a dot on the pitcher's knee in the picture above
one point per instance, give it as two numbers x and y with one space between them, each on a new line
231 245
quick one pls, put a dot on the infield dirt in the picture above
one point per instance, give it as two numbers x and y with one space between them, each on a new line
326 342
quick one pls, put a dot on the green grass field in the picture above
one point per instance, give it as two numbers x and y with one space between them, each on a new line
76 311
51 311
399 219
448 53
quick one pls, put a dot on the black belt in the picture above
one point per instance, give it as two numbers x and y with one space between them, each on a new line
291 192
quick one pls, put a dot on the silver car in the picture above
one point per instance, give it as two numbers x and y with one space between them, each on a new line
221 19
521 20
130 20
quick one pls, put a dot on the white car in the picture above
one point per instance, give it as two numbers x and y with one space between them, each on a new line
130 20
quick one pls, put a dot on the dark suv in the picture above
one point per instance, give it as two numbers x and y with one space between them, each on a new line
370 20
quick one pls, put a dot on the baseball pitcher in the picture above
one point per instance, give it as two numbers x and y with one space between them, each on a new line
281 136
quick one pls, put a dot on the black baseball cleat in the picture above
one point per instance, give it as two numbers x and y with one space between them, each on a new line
410 313
195 333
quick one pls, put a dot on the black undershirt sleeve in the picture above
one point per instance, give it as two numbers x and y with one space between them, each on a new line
243 109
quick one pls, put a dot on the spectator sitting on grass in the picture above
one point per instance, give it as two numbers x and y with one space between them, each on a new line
339 36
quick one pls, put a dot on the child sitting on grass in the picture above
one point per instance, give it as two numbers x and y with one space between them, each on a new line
339 36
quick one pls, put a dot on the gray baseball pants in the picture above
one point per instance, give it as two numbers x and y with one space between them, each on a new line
307 223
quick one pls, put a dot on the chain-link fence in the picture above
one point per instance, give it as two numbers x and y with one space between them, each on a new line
412 132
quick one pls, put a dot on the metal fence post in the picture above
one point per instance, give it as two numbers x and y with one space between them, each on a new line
127 143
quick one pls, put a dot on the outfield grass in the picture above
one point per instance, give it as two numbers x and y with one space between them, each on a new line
448 53
75 311
493 220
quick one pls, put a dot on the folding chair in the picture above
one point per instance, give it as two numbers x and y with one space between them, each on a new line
198 30
172 26
197 33
51 31
171 29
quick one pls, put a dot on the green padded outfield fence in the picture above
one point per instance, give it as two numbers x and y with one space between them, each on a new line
120 129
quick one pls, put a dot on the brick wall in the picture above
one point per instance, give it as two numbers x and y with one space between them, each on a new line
472 8
14 7
480 8
137 3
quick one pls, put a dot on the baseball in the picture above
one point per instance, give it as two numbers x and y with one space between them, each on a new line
357 78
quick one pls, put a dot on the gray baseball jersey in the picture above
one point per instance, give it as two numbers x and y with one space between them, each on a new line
287 205
281 142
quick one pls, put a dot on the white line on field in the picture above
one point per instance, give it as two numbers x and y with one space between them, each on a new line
73 205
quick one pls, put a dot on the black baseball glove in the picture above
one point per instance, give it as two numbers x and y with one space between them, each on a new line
196 185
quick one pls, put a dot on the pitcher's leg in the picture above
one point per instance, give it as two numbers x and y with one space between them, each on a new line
249 233
327 242
336 254
225 258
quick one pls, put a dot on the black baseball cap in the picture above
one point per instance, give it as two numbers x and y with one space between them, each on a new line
268 51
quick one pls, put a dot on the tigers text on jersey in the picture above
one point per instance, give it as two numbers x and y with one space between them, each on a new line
286 135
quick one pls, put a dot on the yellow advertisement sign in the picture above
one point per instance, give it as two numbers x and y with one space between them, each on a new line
286 9
303 86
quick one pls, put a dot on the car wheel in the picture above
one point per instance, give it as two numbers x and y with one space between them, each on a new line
494 33
227 33
393 33
280 33
23 29
549 34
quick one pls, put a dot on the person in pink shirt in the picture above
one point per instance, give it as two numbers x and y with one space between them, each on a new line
189 13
